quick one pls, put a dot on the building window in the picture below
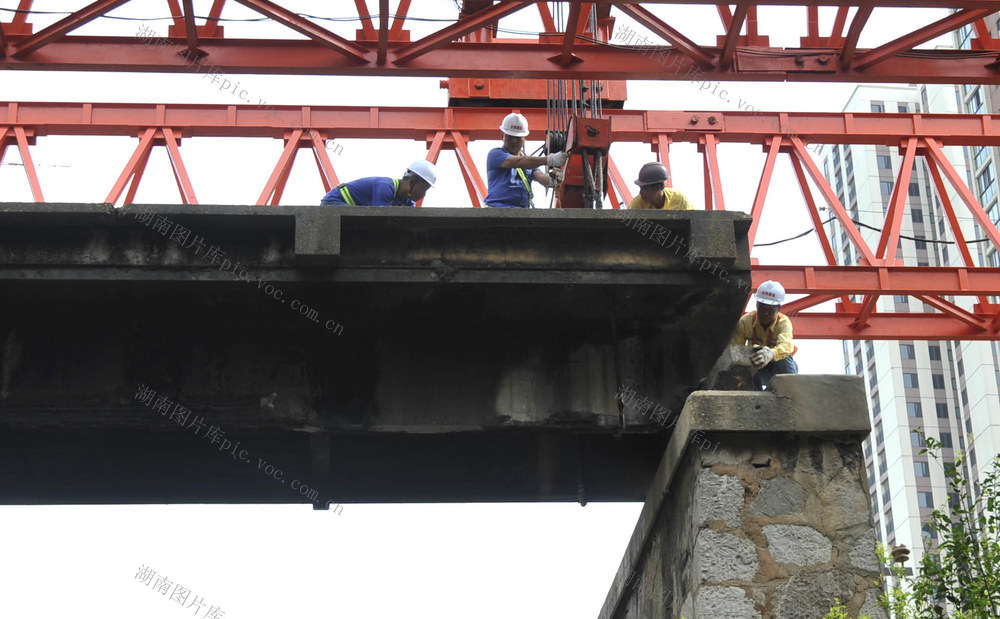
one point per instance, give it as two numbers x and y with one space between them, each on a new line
975 104
928 532
961 368
885 187
938 381
906 351
904 108
925 499
986 185
878 108
869 350
917 216
916 440
882 466
910 380
965 397
913 409
946 440
935 352
920 245
914 189
942 410
884 162
982 154
921 469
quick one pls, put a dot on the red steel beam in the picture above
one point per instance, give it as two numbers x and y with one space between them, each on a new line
436 56
835 326
644 126
882 280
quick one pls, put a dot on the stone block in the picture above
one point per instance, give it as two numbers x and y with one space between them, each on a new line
728 602
810 595
862 554
718 497
797 545
845 501
871 607
722 557
778 497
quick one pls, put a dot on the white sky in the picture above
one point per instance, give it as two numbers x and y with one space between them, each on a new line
444 561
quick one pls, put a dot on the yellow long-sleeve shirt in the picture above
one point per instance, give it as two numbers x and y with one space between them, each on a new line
673 201
777 337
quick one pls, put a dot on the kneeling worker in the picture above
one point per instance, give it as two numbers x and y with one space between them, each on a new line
385 191
509 172
654 195
770 333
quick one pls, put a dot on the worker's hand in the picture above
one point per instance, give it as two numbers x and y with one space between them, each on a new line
556 174
557 160
762 357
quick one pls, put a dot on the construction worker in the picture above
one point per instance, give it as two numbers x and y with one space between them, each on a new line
384 191
770 333
509 171
652 192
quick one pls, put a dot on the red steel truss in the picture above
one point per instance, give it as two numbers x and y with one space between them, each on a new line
779 134
470 46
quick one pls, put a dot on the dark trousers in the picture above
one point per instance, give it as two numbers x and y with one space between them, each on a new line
763 376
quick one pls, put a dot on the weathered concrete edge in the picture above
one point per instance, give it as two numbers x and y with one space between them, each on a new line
774 414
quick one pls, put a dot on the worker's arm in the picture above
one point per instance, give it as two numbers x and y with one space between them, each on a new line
742 332
523 161
784 345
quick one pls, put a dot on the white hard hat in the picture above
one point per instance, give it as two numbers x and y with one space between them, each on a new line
770 293
514 124
424 169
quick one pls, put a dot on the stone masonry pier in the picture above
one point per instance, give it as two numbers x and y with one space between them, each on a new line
759 509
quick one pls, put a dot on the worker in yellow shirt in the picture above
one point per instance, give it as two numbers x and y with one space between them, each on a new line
654 195
770 333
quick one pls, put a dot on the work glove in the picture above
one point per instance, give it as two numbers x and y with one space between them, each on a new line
557 160
762 357
556 174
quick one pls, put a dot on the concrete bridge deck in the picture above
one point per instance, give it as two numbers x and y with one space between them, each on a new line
374 354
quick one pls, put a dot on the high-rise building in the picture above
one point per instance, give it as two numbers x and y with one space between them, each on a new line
947 389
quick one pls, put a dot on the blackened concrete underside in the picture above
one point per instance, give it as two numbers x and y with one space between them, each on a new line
441 354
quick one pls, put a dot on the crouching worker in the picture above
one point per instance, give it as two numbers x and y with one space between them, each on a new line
384 191
770 333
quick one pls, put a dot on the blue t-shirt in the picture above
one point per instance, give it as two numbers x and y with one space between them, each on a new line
371 191
505 185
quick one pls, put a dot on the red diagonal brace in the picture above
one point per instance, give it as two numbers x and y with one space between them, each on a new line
279 175
927 33
465 26
303 26
140 155
853 34
668 33
733 34
180 172
65 25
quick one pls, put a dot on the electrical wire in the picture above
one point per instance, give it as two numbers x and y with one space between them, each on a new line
792 238
864 225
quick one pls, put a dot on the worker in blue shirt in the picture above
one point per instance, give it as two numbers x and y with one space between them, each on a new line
509 171
384 191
